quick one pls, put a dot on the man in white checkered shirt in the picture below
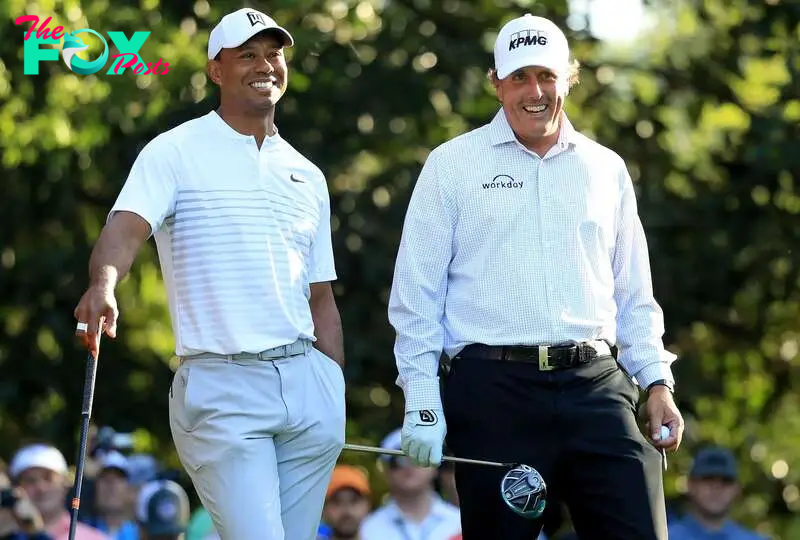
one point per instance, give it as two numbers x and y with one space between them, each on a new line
242 224
523 259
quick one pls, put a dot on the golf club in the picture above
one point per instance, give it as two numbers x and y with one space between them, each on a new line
86 413
388 452
522 488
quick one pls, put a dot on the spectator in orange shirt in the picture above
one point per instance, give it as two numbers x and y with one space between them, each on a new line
41 471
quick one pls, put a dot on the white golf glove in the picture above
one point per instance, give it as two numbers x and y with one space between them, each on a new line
422 436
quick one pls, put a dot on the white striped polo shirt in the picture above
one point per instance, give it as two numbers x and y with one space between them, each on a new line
241 233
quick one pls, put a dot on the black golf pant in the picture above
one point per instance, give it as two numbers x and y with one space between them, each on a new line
576 426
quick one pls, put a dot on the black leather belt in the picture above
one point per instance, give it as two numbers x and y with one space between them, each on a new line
548 358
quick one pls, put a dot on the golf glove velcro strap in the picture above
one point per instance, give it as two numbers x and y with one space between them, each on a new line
423 435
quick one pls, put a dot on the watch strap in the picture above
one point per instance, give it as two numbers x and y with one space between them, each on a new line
661 382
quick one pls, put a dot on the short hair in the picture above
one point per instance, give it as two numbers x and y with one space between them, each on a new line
573 73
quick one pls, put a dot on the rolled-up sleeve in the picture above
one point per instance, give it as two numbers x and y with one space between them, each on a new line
419 286
640 320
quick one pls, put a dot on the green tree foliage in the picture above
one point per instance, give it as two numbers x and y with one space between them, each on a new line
705 109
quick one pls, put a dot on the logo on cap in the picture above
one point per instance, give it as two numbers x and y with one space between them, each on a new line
256 18
527 37
167 510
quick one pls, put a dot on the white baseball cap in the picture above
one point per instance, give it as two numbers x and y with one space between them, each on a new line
237 27
530 41
37 455
142 468
115 460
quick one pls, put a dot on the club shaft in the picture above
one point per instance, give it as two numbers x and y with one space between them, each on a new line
389 452
86 413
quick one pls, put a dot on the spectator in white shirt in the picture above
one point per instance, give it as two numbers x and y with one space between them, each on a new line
414 510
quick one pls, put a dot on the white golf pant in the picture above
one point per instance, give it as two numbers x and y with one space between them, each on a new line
259 439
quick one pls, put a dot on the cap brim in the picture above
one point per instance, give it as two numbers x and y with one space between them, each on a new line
116 468
529 61
288 40
357 489
714 473
17 471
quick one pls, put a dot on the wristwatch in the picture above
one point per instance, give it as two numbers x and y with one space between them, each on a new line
662 382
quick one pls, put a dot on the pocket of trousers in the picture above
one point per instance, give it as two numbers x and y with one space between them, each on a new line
328 359
332 382
448 391
629 386
186 394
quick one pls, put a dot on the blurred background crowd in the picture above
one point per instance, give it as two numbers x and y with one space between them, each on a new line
700 98
133 496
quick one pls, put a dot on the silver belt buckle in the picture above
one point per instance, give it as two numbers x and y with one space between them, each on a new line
544 364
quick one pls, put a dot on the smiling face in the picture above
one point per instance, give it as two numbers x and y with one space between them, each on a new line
533 99
253 76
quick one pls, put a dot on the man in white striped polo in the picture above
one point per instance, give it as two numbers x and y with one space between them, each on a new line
523 258
241 221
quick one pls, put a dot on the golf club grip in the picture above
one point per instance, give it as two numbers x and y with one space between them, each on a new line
390 452
88 385
86 412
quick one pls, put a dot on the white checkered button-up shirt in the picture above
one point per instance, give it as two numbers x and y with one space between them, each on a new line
503 247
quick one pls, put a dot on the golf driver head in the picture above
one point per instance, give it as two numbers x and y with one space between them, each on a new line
524 491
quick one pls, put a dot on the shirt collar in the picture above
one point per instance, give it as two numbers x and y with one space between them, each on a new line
500 131
61 526
223 127
692 523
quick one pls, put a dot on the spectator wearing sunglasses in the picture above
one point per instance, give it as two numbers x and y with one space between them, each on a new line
413 511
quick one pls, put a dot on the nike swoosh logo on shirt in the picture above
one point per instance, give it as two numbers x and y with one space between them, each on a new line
293 179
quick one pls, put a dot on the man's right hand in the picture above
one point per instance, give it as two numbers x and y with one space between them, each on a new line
423 435
98 310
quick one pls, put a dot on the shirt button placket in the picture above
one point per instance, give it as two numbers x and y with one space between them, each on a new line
547 262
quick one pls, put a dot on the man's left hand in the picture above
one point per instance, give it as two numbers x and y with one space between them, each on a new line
422 437
27 516
662 411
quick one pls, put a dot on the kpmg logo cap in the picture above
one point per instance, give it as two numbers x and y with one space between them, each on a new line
530 41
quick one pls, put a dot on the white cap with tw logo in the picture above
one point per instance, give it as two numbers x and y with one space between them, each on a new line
530 41
237 27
